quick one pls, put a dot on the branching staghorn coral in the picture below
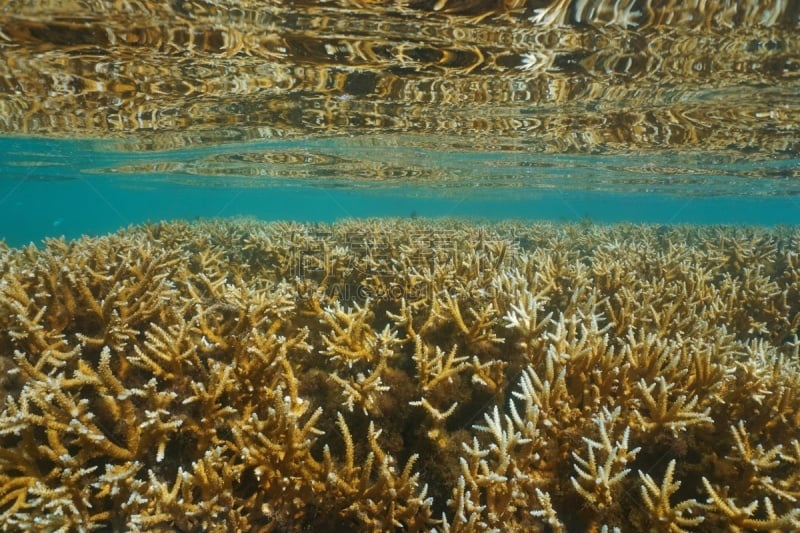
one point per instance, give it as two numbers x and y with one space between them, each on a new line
598 483
665 516
743 518
386 498
662 414
191 376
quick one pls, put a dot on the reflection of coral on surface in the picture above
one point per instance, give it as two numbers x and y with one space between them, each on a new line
529 76
233 375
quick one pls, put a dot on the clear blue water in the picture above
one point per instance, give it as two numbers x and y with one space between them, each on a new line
52 188
654 112
117 113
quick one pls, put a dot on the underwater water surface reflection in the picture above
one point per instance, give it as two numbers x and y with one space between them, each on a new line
425 265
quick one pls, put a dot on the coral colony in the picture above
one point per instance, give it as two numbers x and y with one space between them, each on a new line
402 375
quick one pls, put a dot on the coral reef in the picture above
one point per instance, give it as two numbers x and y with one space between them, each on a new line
402 374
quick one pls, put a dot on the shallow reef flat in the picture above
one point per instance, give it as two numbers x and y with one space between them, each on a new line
402 374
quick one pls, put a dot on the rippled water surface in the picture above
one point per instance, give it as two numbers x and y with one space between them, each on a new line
652 111
412 371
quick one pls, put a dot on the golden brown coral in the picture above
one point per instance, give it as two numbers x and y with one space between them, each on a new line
186 377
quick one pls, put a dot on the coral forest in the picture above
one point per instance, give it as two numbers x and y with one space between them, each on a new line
402 375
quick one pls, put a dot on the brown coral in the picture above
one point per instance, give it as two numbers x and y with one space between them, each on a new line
186 377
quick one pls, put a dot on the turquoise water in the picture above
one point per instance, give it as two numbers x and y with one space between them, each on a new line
602 111
246 376
52 188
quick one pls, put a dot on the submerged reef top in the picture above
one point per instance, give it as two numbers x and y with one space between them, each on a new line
402 374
